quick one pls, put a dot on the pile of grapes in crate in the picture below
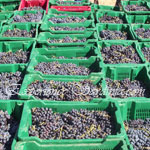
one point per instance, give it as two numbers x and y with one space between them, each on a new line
74 75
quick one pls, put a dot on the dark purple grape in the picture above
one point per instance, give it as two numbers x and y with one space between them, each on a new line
57 68
10 84
65 91
29 17
126 88
146 52
143 33
113 35
67 19
68 3
110 19
67 39
117 54
136 8
138 132
75 124
62 57
8 130
19 56
66 28
33 8
20 33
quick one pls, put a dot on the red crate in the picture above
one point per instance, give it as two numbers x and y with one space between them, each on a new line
32 3
72 8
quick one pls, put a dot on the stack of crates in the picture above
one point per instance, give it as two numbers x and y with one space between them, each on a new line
41 50
132 108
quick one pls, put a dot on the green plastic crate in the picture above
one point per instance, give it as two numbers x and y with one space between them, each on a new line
133 110
138 19
111 107
141 46
15 46
141 3
21 26
101 13
67 52
44 36
96 80
86 14
66 3
114 27
113 8
107 43
133 73
5 16
1 25
105 145
119 73
46 27
47 24
134 35
13 68
92 63
22 13
93 7
13 108
54 13
57 47
14 143
6 6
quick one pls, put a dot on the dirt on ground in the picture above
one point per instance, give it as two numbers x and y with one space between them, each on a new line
107 2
